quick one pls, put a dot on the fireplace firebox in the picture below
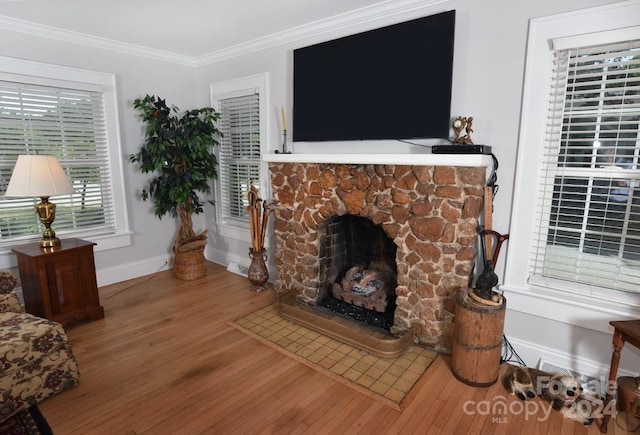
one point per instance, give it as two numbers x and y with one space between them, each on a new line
357 276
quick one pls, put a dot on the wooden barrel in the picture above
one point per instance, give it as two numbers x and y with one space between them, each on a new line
477 341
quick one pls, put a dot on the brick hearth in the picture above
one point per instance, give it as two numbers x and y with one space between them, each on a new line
430 212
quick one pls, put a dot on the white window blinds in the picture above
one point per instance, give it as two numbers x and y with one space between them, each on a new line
239 152
588 222
69 124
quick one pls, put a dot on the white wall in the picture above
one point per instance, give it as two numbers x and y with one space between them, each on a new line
491 37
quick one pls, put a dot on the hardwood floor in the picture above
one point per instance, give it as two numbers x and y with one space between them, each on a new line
165 360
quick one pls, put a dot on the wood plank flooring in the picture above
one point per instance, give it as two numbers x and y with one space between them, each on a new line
165 360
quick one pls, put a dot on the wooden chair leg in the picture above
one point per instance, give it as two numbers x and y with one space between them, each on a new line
618 343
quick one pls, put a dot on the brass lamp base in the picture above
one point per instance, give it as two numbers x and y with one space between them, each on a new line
47 212
49 243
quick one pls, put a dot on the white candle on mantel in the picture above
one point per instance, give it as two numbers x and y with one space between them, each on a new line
284 120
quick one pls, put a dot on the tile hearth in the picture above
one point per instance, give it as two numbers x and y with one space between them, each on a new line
389 378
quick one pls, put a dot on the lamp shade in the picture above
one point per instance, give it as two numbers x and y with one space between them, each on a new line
38 175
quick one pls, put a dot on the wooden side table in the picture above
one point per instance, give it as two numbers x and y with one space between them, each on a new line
625 331
59 283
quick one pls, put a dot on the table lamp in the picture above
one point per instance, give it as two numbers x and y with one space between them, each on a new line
41 176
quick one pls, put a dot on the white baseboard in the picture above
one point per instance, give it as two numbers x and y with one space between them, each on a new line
226 258
533 353
238 269
123 272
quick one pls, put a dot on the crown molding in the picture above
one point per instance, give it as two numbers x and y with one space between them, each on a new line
49 32
367 15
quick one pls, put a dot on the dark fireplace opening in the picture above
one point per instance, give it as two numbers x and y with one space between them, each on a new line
369 317
358 273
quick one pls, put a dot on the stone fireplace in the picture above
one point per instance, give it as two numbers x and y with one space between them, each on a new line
428 210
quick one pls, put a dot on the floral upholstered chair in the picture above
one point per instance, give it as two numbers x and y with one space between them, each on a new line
35 359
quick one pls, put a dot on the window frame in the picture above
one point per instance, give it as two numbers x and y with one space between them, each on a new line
56 75
572 308
235 228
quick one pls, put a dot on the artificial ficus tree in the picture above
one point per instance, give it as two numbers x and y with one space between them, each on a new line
179 150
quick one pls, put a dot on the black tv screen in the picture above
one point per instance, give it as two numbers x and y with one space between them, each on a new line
389 83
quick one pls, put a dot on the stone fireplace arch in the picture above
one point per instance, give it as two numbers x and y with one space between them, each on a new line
430 212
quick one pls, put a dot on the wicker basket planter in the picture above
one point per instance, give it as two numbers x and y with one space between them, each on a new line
190 265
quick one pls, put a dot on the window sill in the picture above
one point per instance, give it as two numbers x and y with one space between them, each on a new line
586 312
237 231
111 241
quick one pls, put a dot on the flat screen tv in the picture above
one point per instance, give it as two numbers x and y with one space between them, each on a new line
389 83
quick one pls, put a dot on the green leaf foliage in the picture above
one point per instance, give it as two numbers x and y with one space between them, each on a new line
179 150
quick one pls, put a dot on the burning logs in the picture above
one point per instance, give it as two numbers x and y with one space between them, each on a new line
363 288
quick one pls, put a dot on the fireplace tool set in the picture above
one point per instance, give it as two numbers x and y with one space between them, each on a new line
258 211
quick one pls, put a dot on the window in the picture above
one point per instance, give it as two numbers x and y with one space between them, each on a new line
74 121
241 105
574 238
588 226
239 152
